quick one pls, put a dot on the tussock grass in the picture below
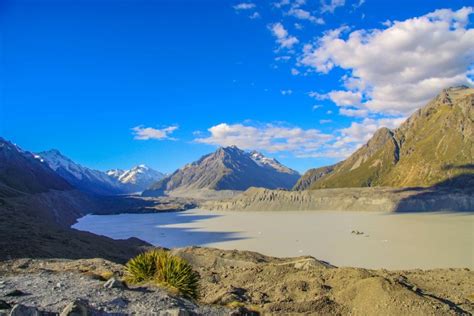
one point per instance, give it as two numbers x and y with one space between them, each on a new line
162 268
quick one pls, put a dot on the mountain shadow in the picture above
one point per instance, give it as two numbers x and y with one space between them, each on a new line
164 230
455 194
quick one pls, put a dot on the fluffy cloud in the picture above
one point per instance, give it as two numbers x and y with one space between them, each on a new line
146 133
244 6
304 15
299 142
332 5
286 92
353 112
284 39
267 137
254 15
348 140
399 68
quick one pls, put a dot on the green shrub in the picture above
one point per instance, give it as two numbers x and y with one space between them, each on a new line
164 269
142 268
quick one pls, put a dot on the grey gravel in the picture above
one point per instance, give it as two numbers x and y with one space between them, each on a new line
62 293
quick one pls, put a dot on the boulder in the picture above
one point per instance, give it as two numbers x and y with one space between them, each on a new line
23 310
113 283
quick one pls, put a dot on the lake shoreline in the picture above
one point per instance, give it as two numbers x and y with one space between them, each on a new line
357 239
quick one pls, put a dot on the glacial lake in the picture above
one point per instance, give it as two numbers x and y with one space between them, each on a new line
386 240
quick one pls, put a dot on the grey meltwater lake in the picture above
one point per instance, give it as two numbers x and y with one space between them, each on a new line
388 240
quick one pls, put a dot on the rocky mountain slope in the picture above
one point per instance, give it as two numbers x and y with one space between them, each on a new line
228 168
435 146
38 206
83 178
21 173
137 178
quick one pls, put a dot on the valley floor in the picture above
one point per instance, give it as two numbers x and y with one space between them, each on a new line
356 239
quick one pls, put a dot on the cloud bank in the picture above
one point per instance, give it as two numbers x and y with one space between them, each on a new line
397 69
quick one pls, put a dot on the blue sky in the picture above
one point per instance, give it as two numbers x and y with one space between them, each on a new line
113 84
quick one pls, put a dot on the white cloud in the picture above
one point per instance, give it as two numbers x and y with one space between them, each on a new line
286 92
304 15
399 68
282 58
353 112
302 143
332 5
267 137
244 6
348 140
316 106
295 71
339 97
298 26
282 37
146 133
281 3
359 133
359 4
254 15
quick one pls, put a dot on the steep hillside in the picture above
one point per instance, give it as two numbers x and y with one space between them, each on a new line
435 146
21 173
83 178
37 207
228 168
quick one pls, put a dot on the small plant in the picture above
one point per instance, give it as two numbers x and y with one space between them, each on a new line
164 269
142 268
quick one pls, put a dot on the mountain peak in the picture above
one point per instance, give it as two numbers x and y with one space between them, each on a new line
228 168
416 153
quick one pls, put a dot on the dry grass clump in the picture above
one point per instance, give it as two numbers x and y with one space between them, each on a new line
164 269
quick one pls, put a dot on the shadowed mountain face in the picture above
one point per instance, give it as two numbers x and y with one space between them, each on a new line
433 146
37 206
21 172
83 178
228 168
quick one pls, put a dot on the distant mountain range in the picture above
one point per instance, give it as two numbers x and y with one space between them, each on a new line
98 182
138 178
228 168
435 146
21 173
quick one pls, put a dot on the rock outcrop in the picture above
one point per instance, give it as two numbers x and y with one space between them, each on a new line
349 199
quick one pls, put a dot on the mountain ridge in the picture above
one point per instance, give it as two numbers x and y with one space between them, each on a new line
83 178
228 168
433 145
136 179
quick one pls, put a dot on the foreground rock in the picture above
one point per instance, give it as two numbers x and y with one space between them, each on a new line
239 283
68 287
350 199
309 286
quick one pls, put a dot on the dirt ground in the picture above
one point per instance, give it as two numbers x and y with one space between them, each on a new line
301 285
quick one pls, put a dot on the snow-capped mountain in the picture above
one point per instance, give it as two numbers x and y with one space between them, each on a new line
138 178
264 161
21 173
228 168
81 177
115 173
